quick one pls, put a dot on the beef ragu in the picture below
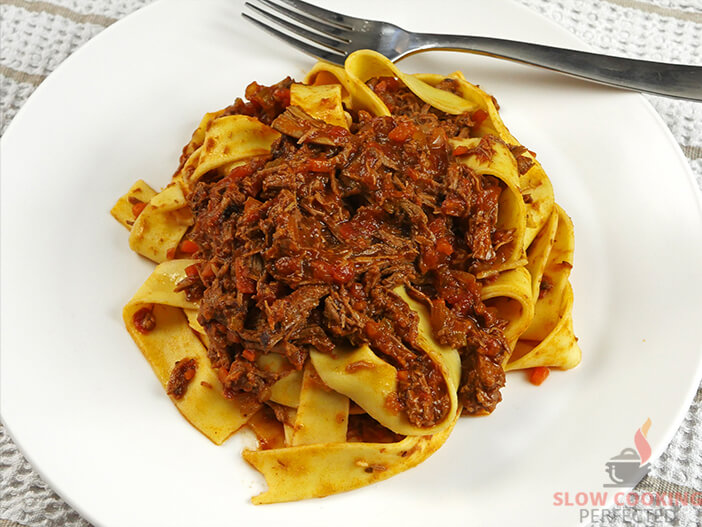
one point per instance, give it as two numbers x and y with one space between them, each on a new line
303 248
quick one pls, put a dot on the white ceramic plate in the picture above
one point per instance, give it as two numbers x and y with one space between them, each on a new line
84 406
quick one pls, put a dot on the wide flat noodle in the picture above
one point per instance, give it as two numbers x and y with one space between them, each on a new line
537 187
533 183
123 210
558 350
366 64
319 470
539 252
161 225
227 140
372 384
554 280
286 390
489 156
198 136
354 93
322 415
171 340
549 340
191 315
510 294
321 102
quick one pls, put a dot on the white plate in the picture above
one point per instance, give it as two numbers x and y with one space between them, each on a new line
90 415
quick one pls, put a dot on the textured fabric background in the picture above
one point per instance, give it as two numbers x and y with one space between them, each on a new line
36 36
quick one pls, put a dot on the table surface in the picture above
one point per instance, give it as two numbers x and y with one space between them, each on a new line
36 36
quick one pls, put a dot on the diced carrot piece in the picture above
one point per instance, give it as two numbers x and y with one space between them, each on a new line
188 246
319 165
479 116
137 208
249 355
208 271
538 375
402 132
444 246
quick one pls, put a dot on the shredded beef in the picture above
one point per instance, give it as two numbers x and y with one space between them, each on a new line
304 247
183 372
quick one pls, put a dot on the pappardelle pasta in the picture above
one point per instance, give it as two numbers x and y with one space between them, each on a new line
345 266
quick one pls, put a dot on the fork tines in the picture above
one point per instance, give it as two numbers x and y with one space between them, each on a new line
321 33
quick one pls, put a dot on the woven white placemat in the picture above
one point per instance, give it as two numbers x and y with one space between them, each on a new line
36 36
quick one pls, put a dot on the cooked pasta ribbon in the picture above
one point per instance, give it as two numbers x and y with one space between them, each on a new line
371 385
549 340
321 102
491 157
227 140
161 225
510 293
354 93
366 64
533 183
124 210
314 471
171 340
322 414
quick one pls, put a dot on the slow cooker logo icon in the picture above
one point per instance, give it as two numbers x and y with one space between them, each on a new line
628 467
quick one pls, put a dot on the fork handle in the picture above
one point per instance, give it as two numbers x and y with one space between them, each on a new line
672 80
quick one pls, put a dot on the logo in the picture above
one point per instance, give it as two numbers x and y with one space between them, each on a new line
628 467
641 506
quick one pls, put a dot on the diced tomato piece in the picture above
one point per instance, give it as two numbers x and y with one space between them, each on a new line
170 253
188 246
282 95
243 283
319 165
429 259
241 171
386 84
402 132
321 270
453 207
287 265
357 292
252 210
137 208
538 375
249 355
347 229
246 286
460 150
479 116
444 246
402 375
208 271
144 320
343 273
372 329
191 270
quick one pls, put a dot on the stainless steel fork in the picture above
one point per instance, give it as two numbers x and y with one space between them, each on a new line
332 37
